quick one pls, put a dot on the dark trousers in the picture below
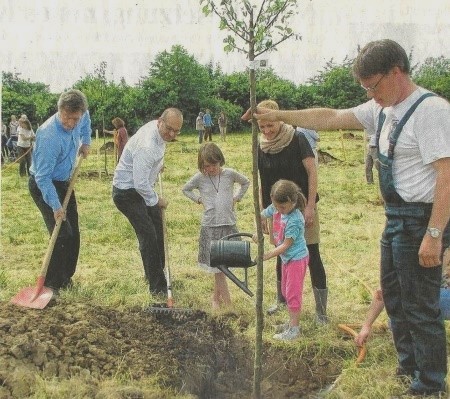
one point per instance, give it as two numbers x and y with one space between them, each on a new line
147 224
64 258
208 133
25 160
411 296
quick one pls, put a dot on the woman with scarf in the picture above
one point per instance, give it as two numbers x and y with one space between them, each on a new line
284 153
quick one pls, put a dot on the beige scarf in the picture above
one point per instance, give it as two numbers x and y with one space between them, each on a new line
279 142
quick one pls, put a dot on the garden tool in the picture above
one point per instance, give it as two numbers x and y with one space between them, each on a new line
39 296
225 254
168 307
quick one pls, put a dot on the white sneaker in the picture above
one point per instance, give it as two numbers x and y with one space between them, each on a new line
289 334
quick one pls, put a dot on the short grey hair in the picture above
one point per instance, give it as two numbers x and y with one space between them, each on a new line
73 100
172 111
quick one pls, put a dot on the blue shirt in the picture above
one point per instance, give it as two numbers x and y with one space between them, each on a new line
54 154
207 120
291 225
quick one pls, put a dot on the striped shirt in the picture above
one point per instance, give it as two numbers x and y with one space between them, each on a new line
54 154
140 163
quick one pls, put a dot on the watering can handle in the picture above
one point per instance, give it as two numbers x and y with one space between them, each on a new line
237 235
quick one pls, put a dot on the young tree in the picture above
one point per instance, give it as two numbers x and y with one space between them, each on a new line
254 31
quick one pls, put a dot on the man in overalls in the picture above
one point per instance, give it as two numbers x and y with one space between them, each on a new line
413 140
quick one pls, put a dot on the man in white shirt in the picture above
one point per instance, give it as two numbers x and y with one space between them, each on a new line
415 183
134 194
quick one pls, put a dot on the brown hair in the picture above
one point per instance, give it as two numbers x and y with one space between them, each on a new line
287 191
380 56
117 122
27 123
211 153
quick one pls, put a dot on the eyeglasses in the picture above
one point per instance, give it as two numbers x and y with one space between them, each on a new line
374 87
171 129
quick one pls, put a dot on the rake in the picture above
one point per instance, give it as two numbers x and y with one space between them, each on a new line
168 307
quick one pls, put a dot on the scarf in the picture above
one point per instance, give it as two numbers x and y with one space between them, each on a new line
279 142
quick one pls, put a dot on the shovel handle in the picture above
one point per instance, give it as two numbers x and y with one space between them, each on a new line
58 223
170 302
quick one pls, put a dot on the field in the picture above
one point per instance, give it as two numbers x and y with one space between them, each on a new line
97 341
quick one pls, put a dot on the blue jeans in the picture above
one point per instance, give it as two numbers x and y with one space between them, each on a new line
64 257
411 296
147 224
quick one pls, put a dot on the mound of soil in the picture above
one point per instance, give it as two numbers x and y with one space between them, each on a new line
194 354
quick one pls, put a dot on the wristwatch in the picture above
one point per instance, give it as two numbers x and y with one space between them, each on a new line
434 232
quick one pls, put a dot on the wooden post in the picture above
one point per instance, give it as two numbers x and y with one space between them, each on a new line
98 154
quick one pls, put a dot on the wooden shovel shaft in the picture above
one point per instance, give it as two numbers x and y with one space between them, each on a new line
57 228
166 250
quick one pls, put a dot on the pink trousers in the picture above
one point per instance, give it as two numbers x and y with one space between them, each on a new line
292 279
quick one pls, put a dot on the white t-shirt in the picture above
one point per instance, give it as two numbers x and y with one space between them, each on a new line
424 139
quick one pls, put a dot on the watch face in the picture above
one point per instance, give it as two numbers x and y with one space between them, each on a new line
434 232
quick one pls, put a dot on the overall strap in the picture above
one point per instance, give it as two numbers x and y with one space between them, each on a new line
398 128
405 118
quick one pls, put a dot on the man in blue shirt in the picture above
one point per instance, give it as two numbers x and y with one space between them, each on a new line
207 121
134 194
58 141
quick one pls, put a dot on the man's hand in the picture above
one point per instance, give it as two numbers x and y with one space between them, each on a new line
261 113
59 214
162 203
430 251
84 150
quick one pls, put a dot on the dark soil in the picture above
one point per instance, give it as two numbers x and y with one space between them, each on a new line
194 354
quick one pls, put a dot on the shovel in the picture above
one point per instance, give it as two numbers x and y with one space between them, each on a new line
39 296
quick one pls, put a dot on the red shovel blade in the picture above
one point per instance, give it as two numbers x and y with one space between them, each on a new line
33 297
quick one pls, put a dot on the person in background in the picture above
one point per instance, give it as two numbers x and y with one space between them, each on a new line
287 232
58 142
371 156
120 135
207 122
222 122
200 127
25 136
213 187
285 153
414 155
4 138
13 126
134 195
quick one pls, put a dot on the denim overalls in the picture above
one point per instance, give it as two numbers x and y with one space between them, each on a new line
411 292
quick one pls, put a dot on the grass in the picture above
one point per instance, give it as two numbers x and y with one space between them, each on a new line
110 270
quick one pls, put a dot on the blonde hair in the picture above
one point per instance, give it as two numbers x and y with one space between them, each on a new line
287 191
270 104
211 153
